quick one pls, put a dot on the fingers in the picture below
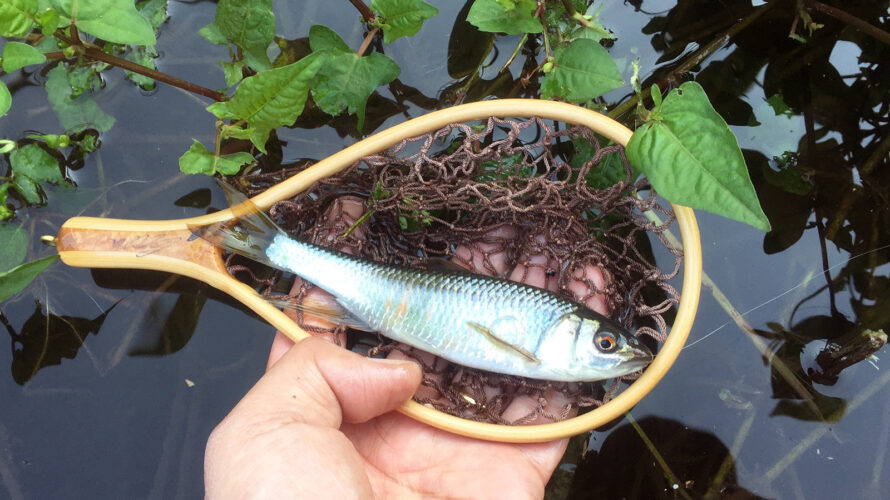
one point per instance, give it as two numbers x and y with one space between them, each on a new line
320 384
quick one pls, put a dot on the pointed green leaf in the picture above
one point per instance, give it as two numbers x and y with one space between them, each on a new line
581 71
496 17
199 160
233 71
692 158
18 55
31 165
5 99
212 34
249 24
16 17
48 20
402 17
115 21
270 99
16 279
155 11
77 114
345 80
13 245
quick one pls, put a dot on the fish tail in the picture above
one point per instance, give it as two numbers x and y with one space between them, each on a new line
250 236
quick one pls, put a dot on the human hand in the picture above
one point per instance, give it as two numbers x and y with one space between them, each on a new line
320 423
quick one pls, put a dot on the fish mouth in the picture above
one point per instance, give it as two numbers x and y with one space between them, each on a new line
637 355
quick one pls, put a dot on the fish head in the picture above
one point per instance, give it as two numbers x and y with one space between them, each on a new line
601 349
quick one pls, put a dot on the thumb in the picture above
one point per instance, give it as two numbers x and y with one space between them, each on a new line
320 384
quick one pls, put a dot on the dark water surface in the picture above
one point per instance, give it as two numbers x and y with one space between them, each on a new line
120 420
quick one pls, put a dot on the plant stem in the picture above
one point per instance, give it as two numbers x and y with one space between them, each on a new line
850 19
363 9
99 55
367 41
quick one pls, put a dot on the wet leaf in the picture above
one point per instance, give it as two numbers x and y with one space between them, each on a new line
179 326
155 11
15 17
143 56
46 339
75 114
48 20
233 72
402 17
499 17
692 158
31 165
199 160
16 279
14 245
581 71
115 21
5 99
212 34
270 99
249 24
18 55
606 173
345 80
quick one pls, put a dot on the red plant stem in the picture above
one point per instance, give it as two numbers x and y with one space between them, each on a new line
850 19
363 9
367 41
98 55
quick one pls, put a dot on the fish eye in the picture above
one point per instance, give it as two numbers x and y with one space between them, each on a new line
605 342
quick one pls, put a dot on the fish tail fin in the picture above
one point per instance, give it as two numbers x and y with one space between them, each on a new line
252 234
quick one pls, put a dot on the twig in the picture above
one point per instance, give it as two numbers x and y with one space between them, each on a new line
367 41
99 55
363 9
850 19
740 437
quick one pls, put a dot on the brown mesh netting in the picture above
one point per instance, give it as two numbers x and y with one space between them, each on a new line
465 186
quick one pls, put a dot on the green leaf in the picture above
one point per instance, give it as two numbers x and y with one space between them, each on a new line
18 55
344 79
270 98
16 17
17 278
493 16
31 165
402 17
692 158
233 71
155 11
199 160
581 71
115 21
5 99
14 245
143 56
212 34
249 24
75 114
48 20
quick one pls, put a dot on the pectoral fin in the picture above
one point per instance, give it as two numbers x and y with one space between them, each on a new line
501 343
329 310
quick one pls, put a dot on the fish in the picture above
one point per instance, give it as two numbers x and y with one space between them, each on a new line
472 320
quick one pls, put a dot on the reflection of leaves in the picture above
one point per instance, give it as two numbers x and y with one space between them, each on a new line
468 46
199 198
179 327
45 340
831 409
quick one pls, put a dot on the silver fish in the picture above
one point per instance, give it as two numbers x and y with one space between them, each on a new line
472 320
